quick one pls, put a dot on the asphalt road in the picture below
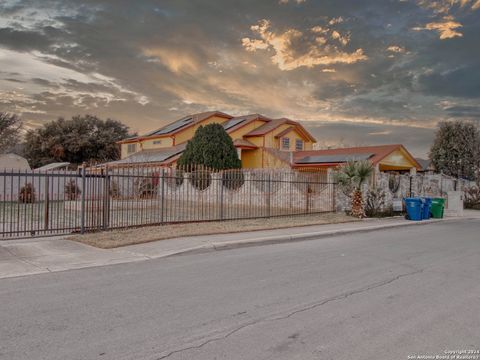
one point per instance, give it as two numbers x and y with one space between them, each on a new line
382 295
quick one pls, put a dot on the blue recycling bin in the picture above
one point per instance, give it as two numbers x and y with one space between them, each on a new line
414 208
427 205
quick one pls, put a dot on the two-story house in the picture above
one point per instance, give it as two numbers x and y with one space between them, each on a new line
261 142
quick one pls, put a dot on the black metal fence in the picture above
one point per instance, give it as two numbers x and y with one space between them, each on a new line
59 202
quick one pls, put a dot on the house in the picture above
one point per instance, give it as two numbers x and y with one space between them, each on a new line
13 162
427 166
385 158
261 142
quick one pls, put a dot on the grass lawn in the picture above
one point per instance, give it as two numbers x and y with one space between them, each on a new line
117 238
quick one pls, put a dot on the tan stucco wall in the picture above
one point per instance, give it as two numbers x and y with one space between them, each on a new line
397 160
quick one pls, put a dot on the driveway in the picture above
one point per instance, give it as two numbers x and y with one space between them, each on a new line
387 294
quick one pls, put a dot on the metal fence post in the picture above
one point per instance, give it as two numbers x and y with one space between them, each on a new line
269 195
162 201
221 196
82 209
106 200
411 185
46 210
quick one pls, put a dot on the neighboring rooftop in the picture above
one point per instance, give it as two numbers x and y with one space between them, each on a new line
53 166
160 155
373 153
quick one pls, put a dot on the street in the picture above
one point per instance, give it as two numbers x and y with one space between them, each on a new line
386 294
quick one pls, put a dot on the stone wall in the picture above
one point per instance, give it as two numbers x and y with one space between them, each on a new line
397 186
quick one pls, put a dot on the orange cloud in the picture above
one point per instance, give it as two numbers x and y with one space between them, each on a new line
285 46
176 60
446 28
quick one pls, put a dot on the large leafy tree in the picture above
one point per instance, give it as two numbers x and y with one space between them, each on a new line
80 139
212 147
10 126
352 175
456 149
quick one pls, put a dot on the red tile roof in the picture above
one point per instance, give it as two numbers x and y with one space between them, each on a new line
244 143
379 152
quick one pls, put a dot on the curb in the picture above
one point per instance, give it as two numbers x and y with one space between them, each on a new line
283 239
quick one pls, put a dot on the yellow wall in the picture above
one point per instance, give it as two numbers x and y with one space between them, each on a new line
260 158
124 153
292 135
188 133
252 159
151 143
239 133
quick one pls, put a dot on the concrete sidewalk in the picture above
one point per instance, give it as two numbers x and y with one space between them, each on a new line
41 255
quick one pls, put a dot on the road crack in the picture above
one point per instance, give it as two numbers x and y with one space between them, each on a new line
293 313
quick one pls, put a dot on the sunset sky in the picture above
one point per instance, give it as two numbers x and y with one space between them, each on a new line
356 72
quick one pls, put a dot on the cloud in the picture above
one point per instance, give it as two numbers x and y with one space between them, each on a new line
446 28
176 60
396 49
294 49
447 6
287 1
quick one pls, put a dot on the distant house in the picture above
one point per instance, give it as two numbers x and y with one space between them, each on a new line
427 166
54 166
13 162
261 142
385 158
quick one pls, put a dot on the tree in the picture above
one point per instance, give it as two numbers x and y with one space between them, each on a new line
80 139
10 126
456 149
211 147
352 176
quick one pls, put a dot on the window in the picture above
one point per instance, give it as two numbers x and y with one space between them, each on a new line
157 142
298 145
285 143
131 148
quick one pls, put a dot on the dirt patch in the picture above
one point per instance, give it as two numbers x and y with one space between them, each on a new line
117 238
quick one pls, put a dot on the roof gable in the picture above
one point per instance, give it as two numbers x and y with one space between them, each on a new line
273 124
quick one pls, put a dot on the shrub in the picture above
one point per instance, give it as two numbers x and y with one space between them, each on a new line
233 179
72 191
472 198
352 175
174 177
375 204
146 188
200 179
27 194
393 183
115 190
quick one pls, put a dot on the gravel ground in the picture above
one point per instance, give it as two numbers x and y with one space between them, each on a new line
117 238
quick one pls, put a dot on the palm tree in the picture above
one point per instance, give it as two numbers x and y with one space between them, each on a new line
352 175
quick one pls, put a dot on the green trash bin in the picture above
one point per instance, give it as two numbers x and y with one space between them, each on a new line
438 205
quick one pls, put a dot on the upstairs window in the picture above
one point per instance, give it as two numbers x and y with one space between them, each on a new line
298 145
131 148
285 143
157 142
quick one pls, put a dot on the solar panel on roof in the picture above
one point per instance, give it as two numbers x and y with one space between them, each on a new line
231 123
341 158
172 127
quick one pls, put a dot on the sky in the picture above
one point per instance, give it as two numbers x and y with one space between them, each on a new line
354 72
